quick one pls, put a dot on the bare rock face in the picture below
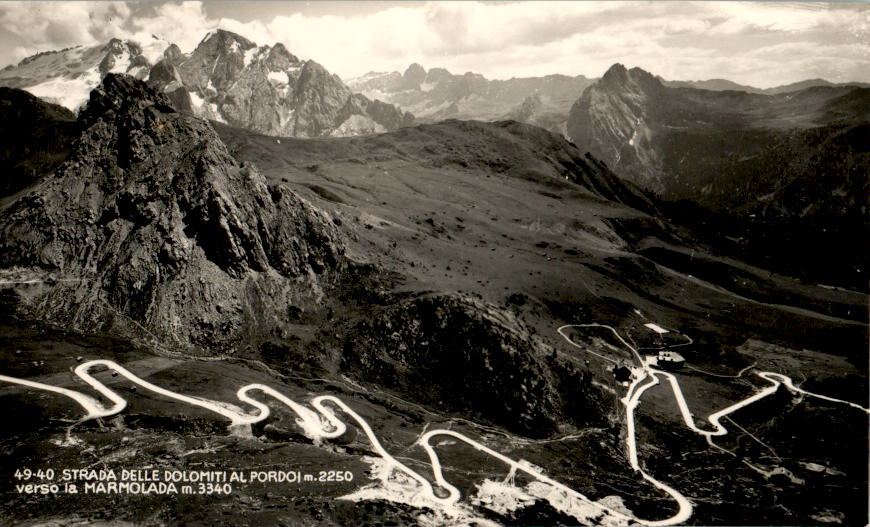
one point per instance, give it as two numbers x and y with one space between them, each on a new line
438 94
164 232
460 354
387 116
319 97
414 76
227 78
125 54
530 106
166 76
611 120
218 59
795 154
267 89
173 55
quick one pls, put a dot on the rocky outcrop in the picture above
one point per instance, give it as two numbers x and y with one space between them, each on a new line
165 75
385 116
611 120
162 232
458 354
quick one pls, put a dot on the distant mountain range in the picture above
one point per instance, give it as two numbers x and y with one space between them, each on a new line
267 89
492 277
226 78
723 84
792 150
797 153
437 94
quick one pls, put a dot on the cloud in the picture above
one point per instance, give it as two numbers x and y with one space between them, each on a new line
49 25
183 24
681 40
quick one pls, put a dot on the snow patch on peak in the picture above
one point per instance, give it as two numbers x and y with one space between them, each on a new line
428 86
631 142
208 36
278 77
214 111
121 63
71 93
280 81
253 53
196 100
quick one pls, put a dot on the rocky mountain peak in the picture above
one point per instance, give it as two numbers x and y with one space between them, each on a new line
279 53
226 40
616 74
122 56
437 94
438 75
414 75
312 70
121 93
173 55
226 78
726 147
617 77
529 107
117 45
645 78
165 227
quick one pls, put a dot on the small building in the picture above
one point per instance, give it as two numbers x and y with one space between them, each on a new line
670 360
622 374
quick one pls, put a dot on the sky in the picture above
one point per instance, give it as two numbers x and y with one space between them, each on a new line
760 44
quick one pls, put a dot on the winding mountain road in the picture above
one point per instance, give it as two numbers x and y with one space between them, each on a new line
645 377
322 423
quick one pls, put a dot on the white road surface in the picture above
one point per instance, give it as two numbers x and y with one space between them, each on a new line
645 376
322 423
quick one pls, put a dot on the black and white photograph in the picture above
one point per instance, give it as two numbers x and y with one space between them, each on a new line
434 264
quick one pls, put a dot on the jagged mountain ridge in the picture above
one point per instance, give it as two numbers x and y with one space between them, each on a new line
438 94
268 90
151 230
66 77
226 78
728 149
481 239
150 224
